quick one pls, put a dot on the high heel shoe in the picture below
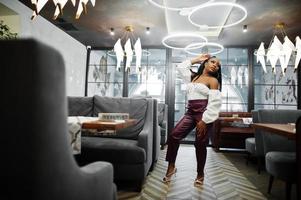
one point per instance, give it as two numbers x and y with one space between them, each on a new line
198 182
167 178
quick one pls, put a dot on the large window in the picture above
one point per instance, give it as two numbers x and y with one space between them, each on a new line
234 63
275 90
103 78
148 81
152 78
235 79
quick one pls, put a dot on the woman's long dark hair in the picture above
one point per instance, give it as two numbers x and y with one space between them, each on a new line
217 74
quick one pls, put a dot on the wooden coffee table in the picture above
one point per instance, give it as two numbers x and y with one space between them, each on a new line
97 127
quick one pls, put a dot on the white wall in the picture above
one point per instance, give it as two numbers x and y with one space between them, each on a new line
73 52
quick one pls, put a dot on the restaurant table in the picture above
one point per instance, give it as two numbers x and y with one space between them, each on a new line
91 126
286 130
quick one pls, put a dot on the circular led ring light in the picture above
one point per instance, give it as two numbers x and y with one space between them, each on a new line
207 5
199 45
173 8
179 35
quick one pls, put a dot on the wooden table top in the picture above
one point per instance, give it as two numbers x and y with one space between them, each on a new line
287 130
108 125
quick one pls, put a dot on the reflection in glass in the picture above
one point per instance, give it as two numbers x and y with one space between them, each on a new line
286 95
237 56
264 94
105 89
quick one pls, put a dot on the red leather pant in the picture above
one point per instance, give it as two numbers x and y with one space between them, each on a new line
188 122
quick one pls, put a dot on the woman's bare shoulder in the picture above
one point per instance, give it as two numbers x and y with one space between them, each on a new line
213 82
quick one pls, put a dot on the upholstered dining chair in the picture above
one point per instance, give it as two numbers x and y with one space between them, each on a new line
36 157
254 145
280 152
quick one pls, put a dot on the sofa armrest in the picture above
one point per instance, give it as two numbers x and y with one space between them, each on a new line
145 137
98 176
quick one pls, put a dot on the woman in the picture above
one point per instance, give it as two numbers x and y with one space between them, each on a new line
204 102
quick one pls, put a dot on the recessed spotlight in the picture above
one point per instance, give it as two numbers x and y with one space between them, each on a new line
245 28
147 30
112 31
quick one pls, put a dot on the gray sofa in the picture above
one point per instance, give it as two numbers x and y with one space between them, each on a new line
131 149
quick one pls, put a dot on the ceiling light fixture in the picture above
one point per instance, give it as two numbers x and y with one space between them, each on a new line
245 28
204 48
59 5
164 6
184 35
147 30
128 52
112 31
217 4
276 50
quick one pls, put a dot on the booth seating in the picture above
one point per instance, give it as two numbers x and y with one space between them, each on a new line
230 131
36 158
254 145
131 150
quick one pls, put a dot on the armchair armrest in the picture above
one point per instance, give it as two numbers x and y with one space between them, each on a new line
145 137
145 141
98 177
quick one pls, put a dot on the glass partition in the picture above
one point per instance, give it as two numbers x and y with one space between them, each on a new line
274 89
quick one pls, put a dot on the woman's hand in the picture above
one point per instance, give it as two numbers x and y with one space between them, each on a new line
200 58
201 128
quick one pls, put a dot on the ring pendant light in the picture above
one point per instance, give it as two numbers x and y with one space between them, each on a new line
189 47
174 8
215 4
184 35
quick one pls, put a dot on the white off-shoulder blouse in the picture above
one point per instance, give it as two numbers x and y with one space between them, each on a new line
201 91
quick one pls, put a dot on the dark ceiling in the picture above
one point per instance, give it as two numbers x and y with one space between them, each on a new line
93 28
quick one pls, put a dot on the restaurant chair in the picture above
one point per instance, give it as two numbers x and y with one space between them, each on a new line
37 162
298 145
254 145
280 152
162 120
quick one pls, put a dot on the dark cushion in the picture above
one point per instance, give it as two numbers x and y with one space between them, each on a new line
135 107
250 145
80 106
121 151
282 165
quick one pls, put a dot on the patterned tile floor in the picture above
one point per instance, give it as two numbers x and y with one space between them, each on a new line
226 177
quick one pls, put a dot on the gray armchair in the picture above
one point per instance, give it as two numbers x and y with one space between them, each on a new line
162 120
280 153
37 160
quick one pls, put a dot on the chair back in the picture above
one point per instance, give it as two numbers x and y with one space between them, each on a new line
258 136
273 142
37 160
